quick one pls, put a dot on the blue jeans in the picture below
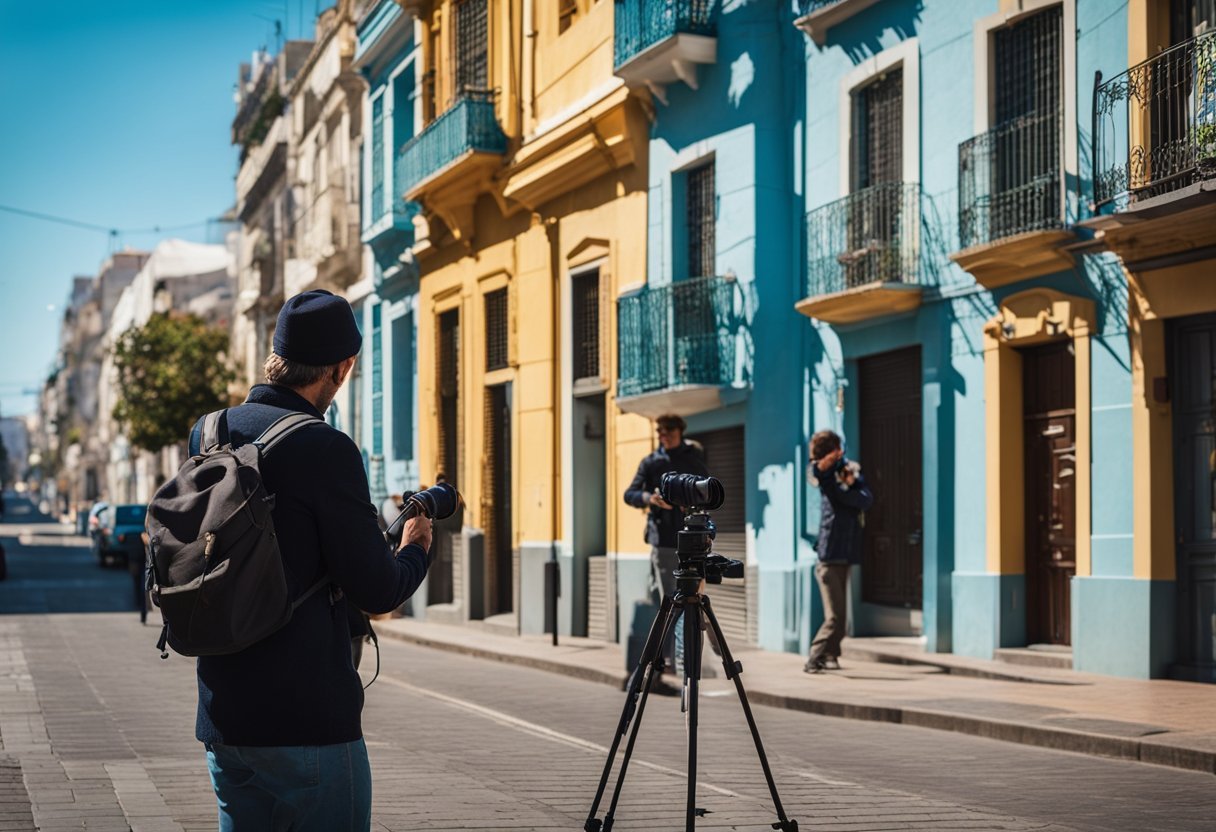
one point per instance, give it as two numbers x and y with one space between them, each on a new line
303 788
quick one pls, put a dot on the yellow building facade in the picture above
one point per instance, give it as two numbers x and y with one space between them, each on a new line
530 174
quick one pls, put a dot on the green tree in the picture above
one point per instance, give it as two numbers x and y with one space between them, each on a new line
171 371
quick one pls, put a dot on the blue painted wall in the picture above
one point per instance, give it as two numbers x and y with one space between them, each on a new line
746 115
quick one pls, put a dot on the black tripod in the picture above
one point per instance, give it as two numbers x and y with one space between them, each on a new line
697 565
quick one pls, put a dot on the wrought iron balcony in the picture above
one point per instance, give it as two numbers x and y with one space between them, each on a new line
677 345
863 254
1009 180
657 42
469 127
1154 126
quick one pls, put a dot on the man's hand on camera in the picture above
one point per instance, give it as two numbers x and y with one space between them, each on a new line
417 530
657 500
829 459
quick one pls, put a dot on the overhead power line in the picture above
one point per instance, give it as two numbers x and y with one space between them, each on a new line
102 229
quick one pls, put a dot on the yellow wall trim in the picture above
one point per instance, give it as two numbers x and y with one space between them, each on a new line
1026 319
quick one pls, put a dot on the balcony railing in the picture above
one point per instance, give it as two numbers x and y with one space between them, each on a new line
683 333
1154 128
640 24
870 236
1009 180
469 126
806 7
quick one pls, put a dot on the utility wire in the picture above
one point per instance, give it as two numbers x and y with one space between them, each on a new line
113 232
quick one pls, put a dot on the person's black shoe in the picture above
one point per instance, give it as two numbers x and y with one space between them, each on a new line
814 666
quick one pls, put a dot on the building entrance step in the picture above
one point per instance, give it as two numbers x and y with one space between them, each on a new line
1053 669
1037 655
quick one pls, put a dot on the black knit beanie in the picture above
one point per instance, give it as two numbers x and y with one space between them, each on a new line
317 328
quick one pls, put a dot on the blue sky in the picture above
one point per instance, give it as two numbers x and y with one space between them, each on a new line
115 114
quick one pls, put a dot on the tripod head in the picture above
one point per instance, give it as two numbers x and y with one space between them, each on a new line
698 563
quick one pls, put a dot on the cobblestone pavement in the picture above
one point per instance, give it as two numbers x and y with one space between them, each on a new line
97 733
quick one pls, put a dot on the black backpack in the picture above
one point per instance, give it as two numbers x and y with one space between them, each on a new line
213 557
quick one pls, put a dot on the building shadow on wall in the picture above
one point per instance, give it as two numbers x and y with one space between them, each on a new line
861 35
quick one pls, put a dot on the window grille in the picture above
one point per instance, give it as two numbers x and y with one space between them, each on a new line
377 206
377 382
472 49
585 302
448 375
699 195
403 386
1026 136
877 153
497 335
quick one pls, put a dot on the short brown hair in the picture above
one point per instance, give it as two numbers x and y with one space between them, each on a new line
823 443
284 371
671 421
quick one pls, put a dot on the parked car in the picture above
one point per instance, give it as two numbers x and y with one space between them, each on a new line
121 527
93 527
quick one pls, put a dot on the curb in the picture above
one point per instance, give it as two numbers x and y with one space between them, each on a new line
1143 750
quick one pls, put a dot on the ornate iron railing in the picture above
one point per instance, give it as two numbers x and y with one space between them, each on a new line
640 24
1009 180
680 333
869 236
469 125
1154 127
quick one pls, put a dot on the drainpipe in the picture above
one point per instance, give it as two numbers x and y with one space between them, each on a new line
552 231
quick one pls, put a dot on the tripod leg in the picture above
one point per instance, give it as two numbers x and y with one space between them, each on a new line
635 705
733 671
692 677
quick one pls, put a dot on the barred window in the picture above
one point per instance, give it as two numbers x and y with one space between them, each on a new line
877 152
700 213
472 49
585 303
497 335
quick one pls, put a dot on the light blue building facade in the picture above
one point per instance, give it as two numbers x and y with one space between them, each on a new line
383 394
710 334
969 337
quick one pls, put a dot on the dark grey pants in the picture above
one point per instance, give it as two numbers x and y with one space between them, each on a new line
663 563
833 580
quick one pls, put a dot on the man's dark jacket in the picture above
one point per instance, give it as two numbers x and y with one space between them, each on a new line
298 686
840 511
663 523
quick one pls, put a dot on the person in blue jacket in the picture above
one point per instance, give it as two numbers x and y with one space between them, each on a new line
844 497
281 720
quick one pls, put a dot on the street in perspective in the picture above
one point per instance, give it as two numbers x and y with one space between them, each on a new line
608 414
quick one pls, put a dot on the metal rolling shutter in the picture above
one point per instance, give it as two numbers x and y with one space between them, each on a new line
597 598
724 457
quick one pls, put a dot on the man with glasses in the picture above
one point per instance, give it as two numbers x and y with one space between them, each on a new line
664 521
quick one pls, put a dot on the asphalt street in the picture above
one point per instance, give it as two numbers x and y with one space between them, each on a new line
101 732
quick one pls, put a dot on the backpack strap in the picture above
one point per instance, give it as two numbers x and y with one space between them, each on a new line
308 593
215 429
282 428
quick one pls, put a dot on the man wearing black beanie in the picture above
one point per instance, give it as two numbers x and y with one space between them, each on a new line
281 719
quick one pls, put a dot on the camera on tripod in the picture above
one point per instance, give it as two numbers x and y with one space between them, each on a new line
696 497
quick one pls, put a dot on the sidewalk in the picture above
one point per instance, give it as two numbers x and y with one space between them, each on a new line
1160 721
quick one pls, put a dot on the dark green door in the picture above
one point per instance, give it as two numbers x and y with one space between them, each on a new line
1193 342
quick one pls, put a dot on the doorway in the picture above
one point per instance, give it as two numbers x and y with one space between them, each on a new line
1049 418
1193 382
892 563
440 577
496 510
724 457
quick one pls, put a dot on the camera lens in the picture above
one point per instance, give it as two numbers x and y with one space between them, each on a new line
437 502
691 491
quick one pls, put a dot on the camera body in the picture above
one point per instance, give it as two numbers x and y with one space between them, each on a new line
696 497
437 503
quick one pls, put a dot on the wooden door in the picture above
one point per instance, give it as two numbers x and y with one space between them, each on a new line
441 578
1193 389
1049 399
890 457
